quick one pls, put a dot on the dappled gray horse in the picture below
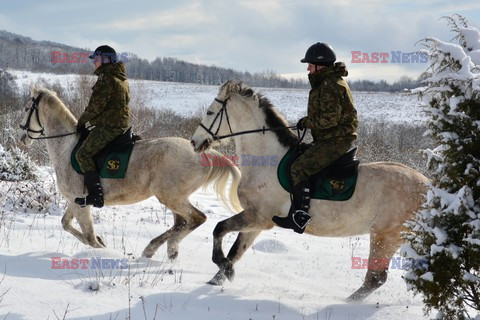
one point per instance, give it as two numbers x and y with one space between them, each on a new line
387 194
166 168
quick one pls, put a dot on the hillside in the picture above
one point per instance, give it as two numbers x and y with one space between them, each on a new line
23 53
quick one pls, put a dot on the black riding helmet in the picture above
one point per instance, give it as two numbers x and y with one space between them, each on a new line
320 54
106 52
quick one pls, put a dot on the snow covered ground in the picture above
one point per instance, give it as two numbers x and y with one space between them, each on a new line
284 275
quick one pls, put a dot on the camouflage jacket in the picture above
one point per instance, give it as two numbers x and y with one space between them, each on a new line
108 105
331 113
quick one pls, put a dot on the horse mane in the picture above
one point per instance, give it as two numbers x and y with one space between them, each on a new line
55 104
272 117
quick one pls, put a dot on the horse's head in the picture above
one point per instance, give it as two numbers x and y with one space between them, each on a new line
45 114
31 124
223 115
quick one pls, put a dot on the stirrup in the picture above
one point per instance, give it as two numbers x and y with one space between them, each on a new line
89 200
82 202
301 219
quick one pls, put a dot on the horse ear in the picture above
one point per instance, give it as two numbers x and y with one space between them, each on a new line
228 88
257 99
33 90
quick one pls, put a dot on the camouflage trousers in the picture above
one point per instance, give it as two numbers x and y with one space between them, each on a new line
318 157
95 142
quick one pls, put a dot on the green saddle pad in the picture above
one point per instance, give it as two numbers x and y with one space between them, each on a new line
334 189
111 163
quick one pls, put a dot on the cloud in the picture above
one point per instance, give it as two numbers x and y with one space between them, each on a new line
91 42
245 34
187 16
270 11
5 22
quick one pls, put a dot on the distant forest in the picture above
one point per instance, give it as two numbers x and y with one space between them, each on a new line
23 53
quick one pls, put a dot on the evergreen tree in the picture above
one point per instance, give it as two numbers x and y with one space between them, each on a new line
446 232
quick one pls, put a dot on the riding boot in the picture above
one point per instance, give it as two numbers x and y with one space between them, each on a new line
95 191
298 216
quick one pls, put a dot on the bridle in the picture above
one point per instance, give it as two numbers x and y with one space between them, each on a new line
34 110
221 112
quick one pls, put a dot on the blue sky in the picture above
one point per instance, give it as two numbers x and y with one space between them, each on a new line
246 35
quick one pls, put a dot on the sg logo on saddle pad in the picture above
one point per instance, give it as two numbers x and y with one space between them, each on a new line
337 184
113 165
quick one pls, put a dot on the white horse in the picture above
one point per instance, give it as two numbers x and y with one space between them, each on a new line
166 168
386 195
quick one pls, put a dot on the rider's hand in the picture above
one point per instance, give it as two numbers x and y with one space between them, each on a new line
301 124
80 127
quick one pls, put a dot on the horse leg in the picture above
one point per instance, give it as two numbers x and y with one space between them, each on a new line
382 248
172 245
242 243
67 225
186 219
156 242
195 219
244 220
84 219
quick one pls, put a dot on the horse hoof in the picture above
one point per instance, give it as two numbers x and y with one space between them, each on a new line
218 279
173 256
355 298
100 240
147 255
230 273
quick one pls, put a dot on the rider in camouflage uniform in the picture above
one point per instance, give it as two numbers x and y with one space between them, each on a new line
333 121
109 115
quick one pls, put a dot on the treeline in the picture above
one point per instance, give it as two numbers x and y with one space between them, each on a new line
171 69
404 83
23 53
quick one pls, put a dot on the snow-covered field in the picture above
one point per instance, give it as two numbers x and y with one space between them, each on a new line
284 275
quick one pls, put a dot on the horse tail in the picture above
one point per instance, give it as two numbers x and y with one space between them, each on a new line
219 174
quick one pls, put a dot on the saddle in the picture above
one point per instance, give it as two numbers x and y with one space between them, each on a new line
111 161
336 182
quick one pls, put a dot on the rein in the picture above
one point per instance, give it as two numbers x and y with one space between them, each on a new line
220 113
26 127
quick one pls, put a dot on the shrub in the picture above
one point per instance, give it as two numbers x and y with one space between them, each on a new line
15 165
21 189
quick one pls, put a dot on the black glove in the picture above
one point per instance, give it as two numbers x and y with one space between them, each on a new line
80 127
301 124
